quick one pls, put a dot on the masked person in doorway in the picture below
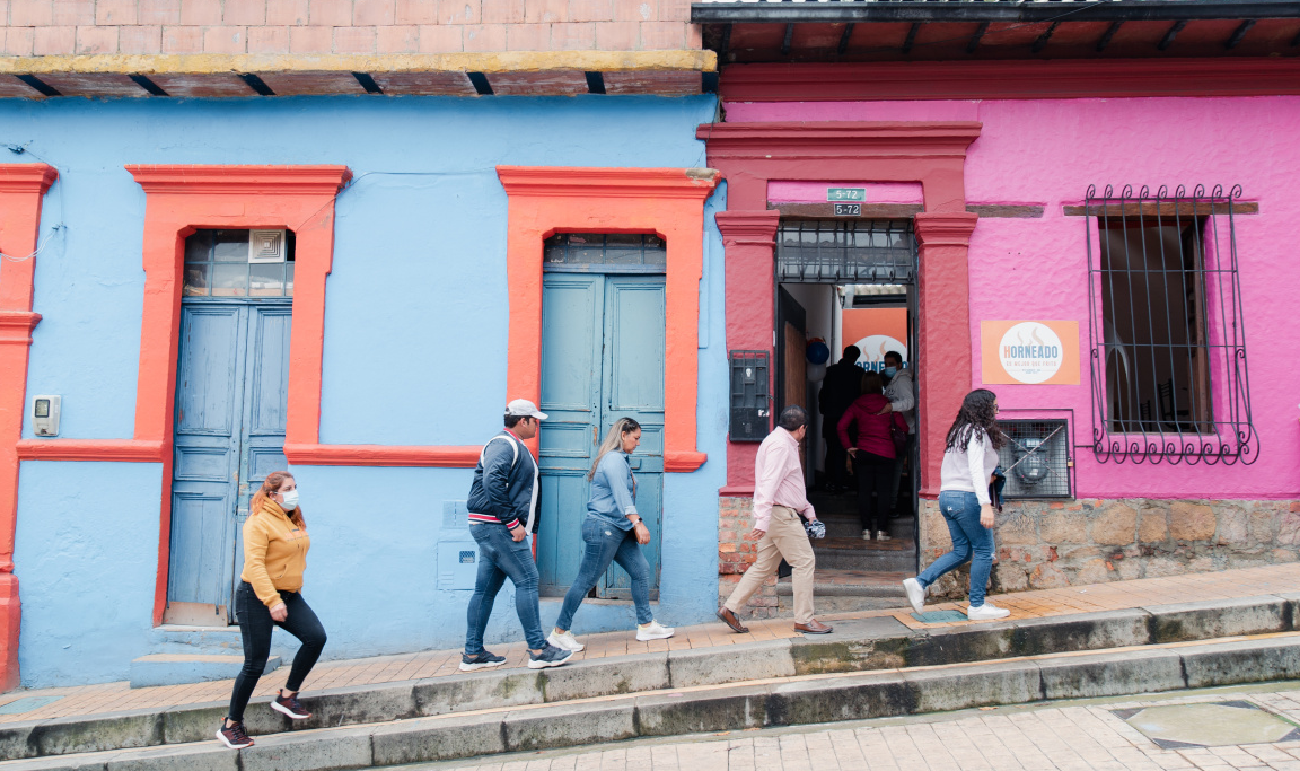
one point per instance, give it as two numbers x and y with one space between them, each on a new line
964 479
275 544
901 393
613 532
873 456
779 499
841 385
501 503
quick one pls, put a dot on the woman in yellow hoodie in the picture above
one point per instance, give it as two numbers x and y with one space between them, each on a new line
275 555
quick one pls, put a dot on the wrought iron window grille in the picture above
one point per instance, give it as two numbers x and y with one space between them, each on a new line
1037 459
1167 335
846 251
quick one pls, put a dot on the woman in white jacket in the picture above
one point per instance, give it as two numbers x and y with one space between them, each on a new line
968 464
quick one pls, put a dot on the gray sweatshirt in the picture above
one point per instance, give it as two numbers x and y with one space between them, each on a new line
970 469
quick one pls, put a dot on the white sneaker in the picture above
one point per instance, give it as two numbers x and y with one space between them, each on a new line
986 612
653 631
866 535
565 641
881 535
915 594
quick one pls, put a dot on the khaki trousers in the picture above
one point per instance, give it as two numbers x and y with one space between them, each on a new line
785 537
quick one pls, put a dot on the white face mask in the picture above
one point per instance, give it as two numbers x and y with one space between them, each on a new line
290 499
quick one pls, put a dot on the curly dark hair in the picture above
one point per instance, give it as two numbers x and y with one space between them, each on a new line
976 418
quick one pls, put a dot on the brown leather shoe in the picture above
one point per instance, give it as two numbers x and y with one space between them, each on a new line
814 627
730 619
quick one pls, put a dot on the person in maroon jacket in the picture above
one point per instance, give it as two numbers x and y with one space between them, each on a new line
873 454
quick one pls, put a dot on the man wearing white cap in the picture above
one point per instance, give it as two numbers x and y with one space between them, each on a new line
501 504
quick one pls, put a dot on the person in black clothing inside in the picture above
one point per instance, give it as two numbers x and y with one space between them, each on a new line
841 386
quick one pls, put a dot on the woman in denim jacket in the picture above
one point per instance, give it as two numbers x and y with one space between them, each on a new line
613 532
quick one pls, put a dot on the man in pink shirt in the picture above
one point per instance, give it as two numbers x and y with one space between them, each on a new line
779 498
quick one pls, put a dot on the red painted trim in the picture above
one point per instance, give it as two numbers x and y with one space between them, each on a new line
749 238
684 461
1056 79
736 492
670 202
107 450
180 199
22 190
932 153
381 455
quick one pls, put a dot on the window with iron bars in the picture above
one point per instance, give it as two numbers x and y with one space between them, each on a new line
855 251
1166 328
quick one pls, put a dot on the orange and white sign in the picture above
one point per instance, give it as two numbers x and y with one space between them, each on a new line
1030 352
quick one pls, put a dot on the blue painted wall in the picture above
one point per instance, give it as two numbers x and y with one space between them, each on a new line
415 342
86 557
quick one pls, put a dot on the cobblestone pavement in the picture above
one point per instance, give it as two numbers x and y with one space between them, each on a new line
113 697
1068 736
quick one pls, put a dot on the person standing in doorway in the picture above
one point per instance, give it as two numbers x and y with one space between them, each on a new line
967 471
901 393
873 455
840 386
275 544
501 503
613 532
779 499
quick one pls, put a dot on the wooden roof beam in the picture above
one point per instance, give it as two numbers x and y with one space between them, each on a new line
1174 29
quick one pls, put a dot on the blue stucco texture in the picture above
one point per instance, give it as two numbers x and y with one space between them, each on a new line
415 352
86 556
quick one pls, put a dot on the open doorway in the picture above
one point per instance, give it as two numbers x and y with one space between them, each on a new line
849 283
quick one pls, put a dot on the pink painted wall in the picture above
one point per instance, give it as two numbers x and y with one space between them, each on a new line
1047 152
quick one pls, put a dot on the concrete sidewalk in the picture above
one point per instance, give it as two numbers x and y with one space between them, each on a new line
117 697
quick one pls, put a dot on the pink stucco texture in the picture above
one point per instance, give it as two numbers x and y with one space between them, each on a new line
1048 152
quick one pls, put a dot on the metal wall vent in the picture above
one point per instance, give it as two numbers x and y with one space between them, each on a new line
266 245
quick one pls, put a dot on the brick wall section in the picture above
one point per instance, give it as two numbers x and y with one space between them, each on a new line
735 555
1047 544
51 27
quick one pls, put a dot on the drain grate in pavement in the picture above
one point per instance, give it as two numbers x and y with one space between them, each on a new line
940 616
1214 724
28 704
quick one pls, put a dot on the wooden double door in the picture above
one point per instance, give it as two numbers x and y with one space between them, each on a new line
602 359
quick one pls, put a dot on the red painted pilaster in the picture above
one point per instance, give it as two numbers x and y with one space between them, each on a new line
22 187
944 367
749 238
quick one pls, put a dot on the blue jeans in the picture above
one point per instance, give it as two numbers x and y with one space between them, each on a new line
500 557
970 541
605 544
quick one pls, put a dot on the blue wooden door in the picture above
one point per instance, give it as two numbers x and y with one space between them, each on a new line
633 387
602 359
229 433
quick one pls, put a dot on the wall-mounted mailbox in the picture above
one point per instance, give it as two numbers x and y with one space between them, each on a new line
751 402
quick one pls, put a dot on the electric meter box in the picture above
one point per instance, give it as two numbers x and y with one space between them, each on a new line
751 410
45 415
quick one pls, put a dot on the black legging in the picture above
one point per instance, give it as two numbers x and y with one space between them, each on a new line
875 475
255 624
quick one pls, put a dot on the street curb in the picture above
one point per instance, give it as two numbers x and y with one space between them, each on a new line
864 645
779 702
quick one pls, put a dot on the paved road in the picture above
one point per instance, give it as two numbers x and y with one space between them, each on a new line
1073 736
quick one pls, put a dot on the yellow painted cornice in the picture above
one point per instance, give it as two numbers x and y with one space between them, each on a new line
504 61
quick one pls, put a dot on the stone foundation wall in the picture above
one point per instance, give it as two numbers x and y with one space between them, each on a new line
735 555
1047 544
